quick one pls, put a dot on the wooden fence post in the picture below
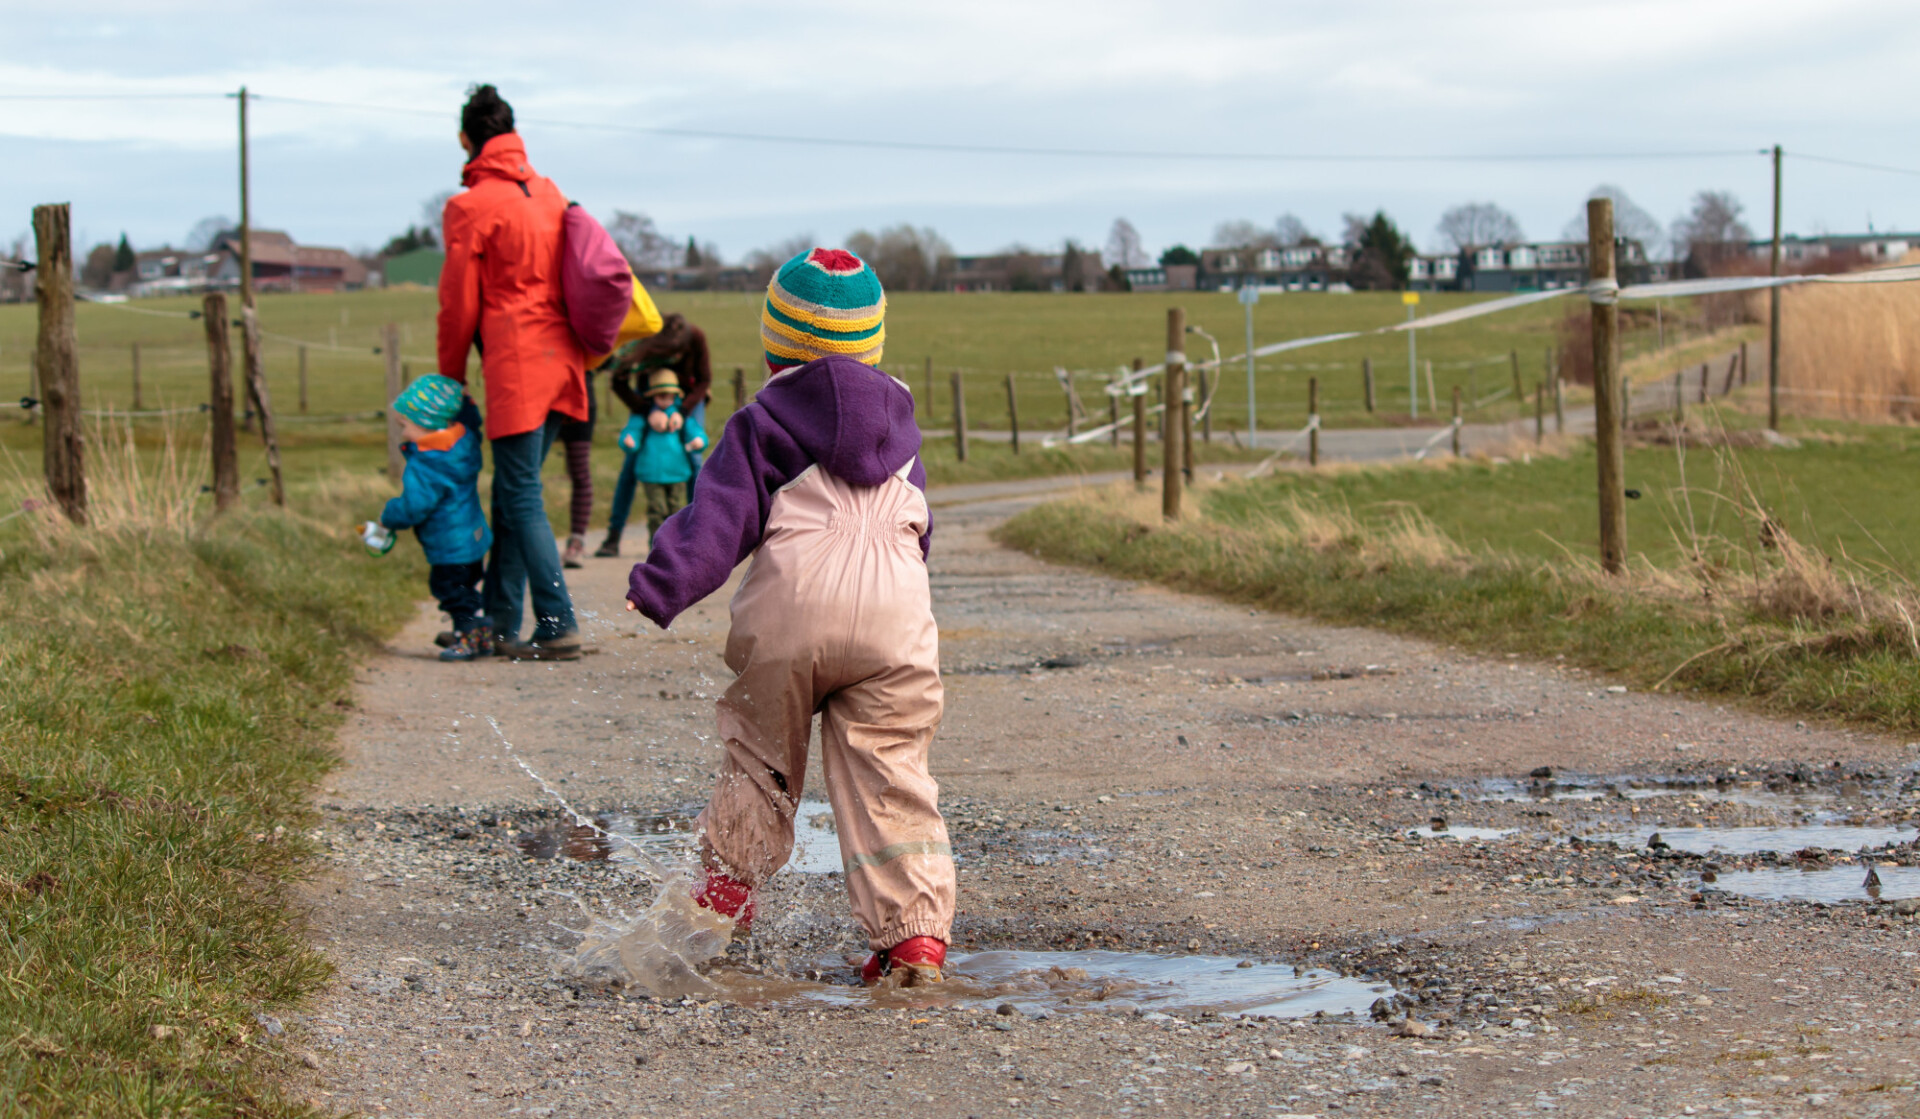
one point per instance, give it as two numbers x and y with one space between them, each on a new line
1456 421
1366 369
58 363
1176 383
1559 404
1433 402
396 464
739 388
959 419
1072 417
1706 371
1313 414
136 377
1139 429
1743 363
262 399
1680 397
1113 419
1186 432
1609 388
226 468
303 380
1539 412
1013 415
1519 392
1733 363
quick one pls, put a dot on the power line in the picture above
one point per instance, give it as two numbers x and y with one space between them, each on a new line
1850 163
109 96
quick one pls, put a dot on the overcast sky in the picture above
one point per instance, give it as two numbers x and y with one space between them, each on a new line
1833 78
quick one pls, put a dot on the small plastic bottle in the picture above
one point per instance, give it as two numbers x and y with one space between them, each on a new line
377 537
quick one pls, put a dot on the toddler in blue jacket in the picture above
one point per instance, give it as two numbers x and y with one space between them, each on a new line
663 443
440 501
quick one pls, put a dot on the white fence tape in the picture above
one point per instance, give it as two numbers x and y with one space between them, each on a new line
1437 436
1266 464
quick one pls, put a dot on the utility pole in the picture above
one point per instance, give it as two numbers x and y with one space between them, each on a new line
1603 302
246 217
1773 309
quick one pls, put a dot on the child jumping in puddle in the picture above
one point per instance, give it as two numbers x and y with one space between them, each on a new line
820 481
661 445
440 501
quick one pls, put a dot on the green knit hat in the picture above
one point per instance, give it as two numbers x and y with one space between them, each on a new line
823 302
432 401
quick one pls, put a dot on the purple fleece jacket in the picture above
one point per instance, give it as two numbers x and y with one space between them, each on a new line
853 420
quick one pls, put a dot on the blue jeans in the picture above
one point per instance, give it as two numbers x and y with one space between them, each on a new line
524 553
624 489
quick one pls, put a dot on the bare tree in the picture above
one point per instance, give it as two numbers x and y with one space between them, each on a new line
641 242
1290 230
1711 233
433 214
906 259
1629 221
1473 225
1123 246
764 262
1241 234
207 231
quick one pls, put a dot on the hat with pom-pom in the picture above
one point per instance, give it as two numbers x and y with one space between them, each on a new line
822 303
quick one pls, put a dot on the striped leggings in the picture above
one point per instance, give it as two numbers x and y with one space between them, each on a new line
581 475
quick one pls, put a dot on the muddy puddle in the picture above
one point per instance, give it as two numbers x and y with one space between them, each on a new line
621 837
1463 833
1829 885
1758 840
1579 787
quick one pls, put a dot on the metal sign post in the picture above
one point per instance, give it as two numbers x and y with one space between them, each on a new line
1412 300
1249 295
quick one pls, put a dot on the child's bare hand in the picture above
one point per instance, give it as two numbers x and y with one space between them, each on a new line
695 444
675 423
658 421
631 607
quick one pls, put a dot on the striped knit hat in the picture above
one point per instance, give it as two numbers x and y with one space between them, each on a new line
431 401
823 302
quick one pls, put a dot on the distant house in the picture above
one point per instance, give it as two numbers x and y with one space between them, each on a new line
281 265
172 272
1867 248
1548 266
419 267
1286 268
1022 271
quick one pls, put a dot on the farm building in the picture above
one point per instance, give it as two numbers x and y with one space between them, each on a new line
281 265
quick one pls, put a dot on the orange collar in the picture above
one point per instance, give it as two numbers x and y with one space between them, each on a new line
442 440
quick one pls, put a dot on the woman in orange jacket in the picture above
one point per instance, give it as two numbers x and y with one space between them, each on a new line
500 292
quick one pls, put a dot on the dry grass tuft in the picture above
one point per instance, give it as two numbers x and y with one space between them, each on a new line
1850 350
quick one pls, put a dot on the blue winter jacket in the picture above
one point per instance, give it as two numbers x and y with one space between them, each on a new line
440 494
661 456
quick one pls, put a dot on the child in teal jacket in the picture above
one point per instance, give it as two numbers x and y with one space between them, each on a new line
440 501
666 441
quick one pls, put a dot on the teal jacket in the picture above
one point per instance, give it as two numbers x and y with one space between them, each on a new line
661 457
440 493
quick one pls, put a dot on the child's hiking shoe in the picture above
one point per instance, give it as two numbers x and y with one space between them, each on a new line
609 548
469 646
561 647
576 549
914 962
727 896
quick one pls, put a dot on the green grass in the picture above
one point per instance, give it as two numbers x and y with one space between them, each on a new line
985 335
166 704
1496 557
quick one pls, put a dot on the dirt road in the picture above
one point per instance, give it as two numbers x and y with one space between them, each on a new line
1132 777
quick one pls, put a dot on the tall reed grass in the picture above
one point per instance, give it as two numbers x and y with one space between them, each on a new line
1850 351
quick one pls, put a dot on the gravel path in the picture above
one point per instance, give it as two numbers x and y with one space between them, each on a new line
1126 770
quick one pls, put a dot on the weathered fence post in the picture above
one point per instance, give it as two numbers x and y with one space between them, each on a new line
1137 394
226 468
396 464
303 380
1013 415
1519 391
1113 419
739 388
1456 421
1433 402
1206 418
1743 364
1366 370
1608 386
262 399
1680 397
136 377
1313 417
1186 432
1539 412
1176 383
959 419
57 360
1072 417
1706 371
1733 363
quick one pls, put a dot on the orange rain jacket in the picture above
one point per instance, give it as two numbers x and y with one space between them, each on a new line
500 289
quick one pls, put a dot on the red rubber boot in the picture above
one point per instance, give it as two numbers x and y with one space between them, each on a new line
727 896
914 962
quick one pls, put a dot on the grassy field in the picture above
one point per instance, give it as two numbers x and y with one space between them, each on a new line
1785 577
985 335
168 690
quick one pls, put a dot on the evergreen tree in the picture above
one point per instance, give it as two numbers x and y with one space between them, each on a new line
123 256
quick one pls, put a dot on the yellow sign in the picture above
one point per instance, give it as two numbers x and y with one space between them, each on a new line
1410 298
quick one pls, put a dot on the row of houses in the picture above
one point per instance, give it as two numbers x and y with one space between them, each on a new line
1529 266
279 264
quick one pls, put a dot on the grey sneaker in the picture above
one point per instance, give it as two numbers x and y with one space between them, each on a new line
561 647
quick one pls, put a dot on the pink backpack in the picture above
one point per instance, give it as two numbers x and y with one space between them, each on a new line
594 280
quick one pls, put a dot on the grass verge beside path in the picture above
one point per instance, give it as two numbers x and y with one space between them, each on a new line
1750 614
167 694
